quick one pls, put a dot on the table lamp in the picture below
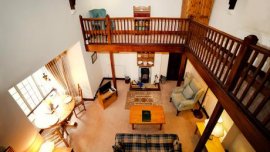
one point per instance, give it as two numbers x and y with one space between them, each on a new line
218 130
47 146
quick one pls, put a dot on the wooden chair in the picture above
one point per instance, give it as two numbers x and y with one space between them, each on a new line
55 134
79 105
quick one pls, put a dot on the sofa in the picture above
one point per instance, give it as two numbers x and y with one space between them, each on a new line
125 142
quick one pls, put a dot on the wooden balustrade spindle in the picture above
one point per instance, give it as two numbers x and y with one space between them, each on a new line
244 74
108 23
251 100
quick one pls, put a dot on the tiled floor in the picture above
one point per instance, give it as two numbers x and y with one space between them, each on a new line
97 127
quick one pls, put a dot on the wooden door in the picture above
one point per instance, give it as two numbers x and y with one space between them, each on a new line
173 66
199 10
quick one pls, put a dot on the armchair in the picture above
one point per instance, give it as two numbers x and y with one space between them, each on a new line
187 95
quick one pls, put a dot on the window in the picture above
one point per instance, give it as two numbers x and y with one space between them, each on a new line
31 91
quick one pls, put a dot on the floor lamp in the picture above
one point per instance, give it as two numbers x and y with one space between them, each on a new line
197 112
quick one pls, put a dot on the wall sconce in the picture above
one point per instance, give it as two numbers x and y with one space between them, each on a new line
232 4
72 4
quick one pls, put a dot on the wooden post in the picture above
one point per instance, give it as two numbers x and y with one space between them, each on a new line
240 61
108 29
182 69
113 70
83 32
209 128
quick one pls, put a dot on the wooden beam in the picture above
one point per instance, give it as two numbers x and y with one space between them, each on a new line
113 70
209 128
182 69
135 48
254 135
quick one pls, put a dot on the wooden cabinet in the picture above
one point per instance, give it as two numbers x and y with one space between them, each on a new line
107 98
145 59
141 11
199 10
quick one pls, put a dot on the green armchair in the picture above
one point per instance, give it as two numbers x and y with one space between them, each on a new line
187 95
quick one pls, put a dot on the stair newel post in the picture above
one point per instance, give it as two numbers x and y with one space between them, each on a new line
209 128
240 61
189 32
108 29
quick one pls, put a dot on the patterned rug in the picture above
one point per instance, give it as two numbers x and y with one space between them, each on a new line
142 98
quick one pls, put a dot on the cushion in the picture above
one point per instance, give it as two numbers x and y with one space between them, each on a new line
194 85
118 147
176 146
160 142
187 79
177 99
188 92
132 142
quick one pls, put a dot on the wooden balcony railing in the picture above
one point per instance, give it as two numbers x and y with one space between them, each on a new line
240 67
131 30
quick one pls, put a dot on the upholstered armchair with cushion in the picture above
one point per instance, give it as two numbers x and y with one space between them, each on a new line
187 95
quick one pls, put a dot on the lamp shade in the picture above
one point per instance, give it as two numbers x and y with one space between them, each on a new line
47 146
218 130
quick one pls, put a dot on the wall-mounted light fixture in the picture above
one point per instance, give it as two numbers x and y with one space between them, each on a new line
72 4
232 4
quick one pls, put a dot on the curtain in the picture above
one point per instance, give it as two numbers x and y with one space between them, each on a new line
58 69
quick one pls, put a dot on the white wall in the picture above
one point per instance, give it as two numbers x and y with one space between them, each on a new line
32 33
124 8
94 71
248 17
236 142
126 65
78 70
164 63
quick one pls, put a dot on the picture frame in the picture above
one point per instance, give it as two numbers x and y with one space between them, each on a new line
94 57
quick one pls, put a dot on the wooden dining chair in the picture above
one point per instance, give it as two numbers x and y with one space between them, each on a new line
56 134
79 103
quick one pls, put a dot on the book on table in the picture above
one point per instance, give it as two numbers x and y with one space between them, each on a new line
146 115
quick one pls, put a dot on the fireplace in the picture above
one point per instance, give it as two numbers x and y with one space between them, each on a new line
145 75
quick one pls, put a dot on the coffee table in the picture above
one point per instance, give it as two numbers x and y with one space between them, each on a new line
157 115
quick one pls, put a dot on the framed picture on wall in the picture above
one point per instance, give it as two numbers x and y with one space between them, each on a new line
94 57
